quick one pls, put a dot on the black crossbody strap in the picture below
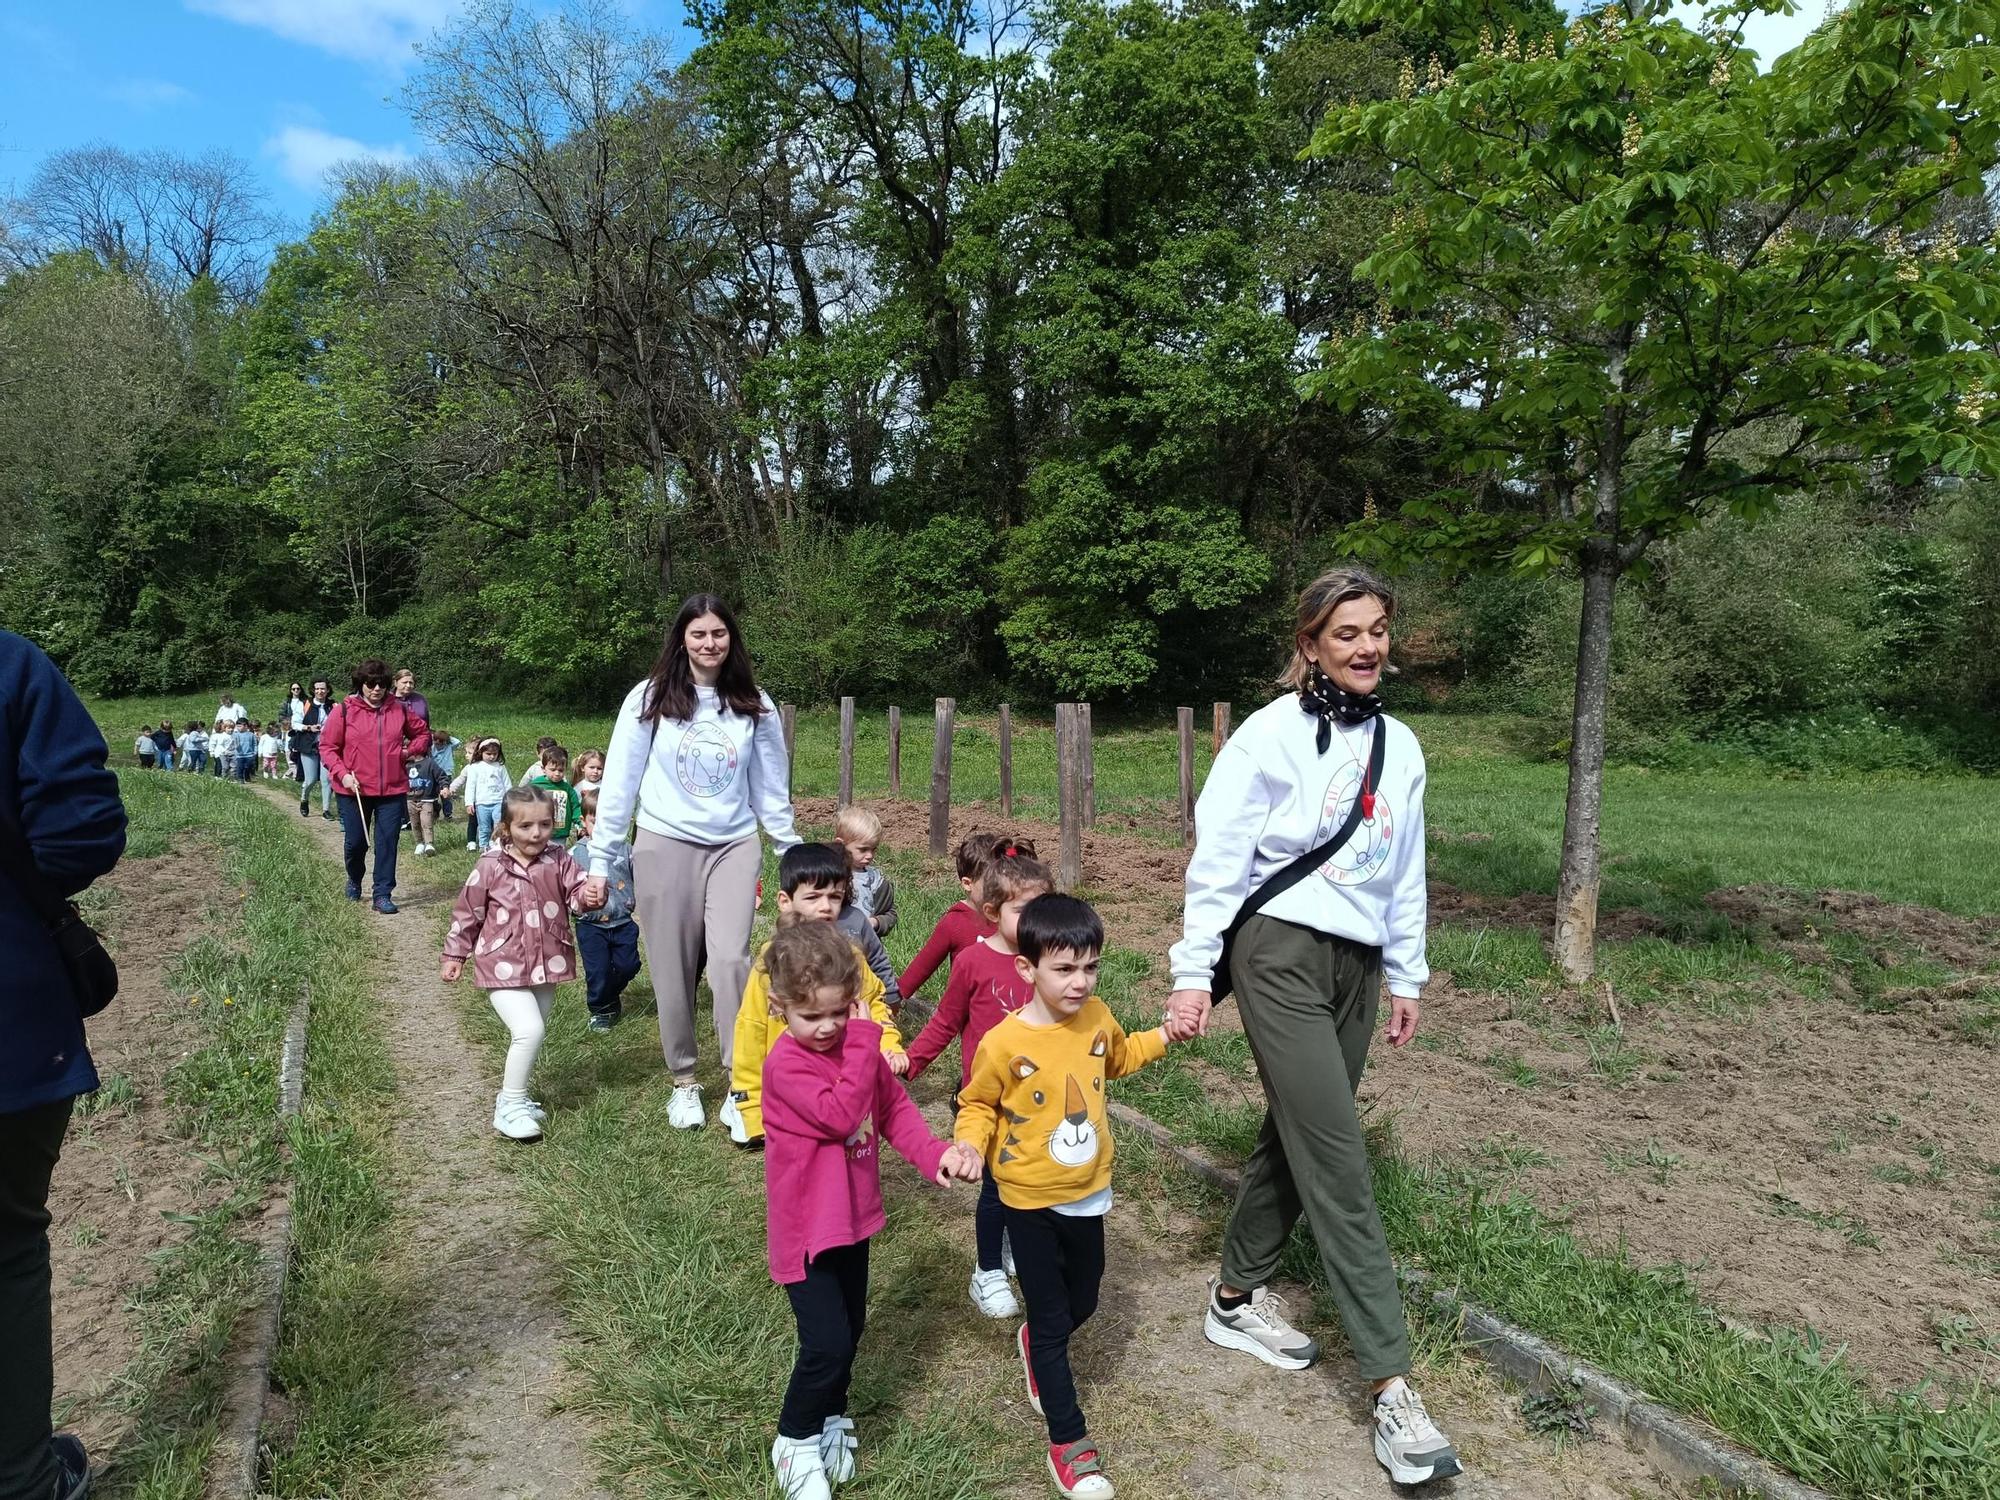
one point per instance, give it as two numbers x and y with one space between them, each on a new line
1312 859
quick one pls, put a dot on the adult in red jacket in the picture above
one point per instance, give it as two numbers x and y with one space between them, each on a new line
367 746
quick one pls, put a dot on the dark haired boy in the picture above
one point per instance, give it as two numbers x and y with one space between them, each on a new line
1034 1110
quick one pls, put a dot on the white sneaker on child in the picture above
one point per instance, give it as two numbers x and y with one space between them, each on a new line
684 1111
801 1472
472 846
732 1118
513 1119
992 1296
836 1449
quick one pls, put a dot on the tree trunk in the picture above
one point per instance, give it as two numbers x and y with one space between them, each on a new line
1576 890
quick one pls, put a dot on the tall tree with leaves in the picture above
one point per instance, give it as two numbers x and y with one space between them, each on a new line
1633 283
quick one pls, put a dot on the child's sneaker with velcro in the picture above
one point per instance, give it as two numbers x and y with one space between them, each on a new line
992 1295
836 1449
800 1469
515 1120
1077 1470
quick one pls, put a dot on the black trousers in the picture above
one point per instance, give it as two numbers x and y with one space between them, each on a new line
831 1309
1059 1259
30 1142
610 962
989 1223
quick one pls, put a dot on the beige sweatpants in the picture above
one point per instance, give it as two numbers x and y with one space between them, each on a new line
695 901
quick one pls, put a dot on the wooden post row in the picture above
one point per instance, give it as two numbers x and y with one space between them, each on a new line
1086 742
947 710
1186 716
846 751
1006 761
1069 778
1221 728
895 752
788 722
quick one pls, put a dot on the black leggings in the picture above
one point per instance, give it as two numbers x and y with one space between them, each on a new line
1059 1259
831 1308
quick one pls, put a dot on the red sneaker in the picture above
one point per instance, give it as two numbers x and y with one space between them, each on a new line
1077 1471
1028 1369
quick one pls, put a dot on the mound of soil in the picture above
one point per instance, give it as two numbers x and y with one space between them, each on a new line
1962 942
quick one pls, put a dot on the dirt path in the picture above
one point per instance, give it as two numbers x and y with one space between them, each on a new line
489 1324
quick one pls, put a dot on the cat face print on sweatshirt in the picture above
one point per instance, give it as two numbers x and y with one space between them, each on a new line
1064 1122
706 760
1367 848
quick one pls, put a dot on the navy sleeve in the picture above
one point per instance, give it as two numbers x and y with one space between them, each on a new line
66 799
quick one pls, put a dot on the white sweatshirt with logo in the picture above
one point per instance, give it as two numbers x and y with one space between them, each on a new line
1270 797
707 780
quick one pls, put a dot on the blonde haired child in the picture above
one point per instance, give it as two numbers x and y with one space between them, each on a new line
830 1099
589 769
512 921
859 832
811 888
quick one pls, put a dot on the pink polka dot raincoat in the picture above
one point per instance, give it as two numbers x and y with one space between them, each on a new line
512 920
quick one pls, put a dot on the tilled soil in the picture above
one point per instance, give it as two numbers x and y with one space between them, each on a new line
1811 1160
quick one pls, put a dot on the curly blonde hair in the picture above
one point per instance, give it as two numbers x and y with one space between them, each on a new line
807 957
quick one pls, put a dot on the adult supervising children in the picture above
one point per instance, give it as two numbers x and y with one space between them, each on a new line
308 719
367 746
1307 969
698 753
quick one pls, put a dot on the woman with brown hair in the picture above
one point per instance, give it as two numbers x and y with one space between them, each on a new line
1309 859
698 755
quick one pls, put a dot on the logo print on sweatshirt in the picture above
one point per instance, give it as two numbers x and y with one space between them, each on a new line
1367 848
705 763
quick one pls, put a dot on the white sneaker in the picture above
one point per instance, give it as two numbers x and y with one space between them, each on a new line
1007 1253
1407 1442
1258 1327
472 846
684 1111
536 1108
513 1119
992 1296
801 1473
732 1117
836 1449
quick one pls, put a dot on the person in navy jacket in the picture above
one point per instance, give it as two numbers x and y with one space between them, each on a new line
58 798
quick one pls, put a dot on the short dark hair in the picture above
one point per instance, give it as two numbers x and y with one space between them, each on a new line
1055 923
374 669
815 865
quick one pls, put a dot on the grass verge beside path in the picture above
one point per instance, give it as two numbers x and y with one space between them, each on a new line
338 1426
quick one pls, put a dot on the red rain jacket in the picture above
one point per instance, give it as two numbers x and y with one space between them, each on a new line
375 745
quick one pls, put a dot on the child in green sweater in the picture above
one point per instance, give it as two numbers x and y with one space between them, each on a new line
552 776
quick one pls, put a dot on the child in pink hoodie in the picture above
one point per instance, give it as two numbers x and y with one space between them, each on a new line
829 1100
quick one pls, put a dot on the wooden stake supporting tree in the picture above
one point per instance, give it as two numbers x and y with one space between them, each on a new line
1069 779
846 751
1186 716
788 724
895 752
947 711
1221 729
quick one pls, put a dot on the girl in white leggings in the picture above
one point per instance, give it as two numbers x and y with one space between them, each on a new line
513 921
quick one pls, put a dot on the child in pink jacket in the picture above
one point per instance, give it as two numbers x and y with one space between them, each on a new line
829 1101
512 921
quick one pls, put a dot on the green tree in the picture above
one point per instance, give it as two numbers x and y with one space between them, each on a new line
1632 282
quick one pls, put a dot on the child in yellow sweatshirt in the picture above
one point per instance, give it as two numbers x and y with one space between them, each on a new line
812 887
1034 1109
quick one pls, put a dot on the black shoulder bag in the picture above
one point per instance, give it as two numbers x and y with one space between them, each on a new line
1221 982
92 974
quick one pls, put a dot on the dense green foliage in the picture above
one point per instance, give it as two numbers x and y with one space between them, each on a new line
964 346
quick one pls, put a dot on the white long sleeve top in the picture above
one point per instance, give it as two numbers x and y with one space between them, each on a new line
707 780
1270 797
485 782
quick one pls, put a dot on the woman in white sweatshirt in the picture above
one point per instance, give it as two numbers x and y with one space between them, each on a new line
1307 970
698 756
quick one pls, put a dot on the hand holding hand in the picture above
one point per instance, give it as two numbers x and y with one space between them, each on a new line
450 968
1187 1014
596 891
1403 1015
959 1162
899 1064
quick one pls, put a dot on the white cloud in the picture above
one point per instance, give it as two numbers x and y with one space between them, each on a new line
1769 36
147 93
305 153
374 31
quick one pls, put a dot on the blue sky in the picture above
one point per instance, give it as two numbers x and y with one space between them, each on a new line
293 86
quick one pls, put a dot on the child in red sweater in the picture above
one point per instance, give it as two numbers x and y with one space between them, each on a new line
829 1098
962 925
986 985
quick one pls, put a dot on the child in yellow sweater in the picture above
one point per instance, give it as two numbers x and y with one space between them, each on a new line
1034 1109
812 887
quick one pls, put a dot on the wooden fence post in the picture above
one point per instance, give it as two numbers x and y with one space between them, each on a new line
947 710
788 722
895 752
1186 717
846 751
1069 780
1085 741
1006 761
1221 728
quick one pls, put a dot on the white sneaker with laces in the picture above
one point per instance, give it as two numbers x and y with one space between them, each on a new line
801 1472
837 1444
513 1119
1407 1442
684 1111
992 1295
732 1118
1257 1327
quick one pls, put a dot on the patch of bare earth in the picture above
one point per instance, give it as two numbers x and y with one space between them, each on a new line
488 1328
124 1179
1810 1160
